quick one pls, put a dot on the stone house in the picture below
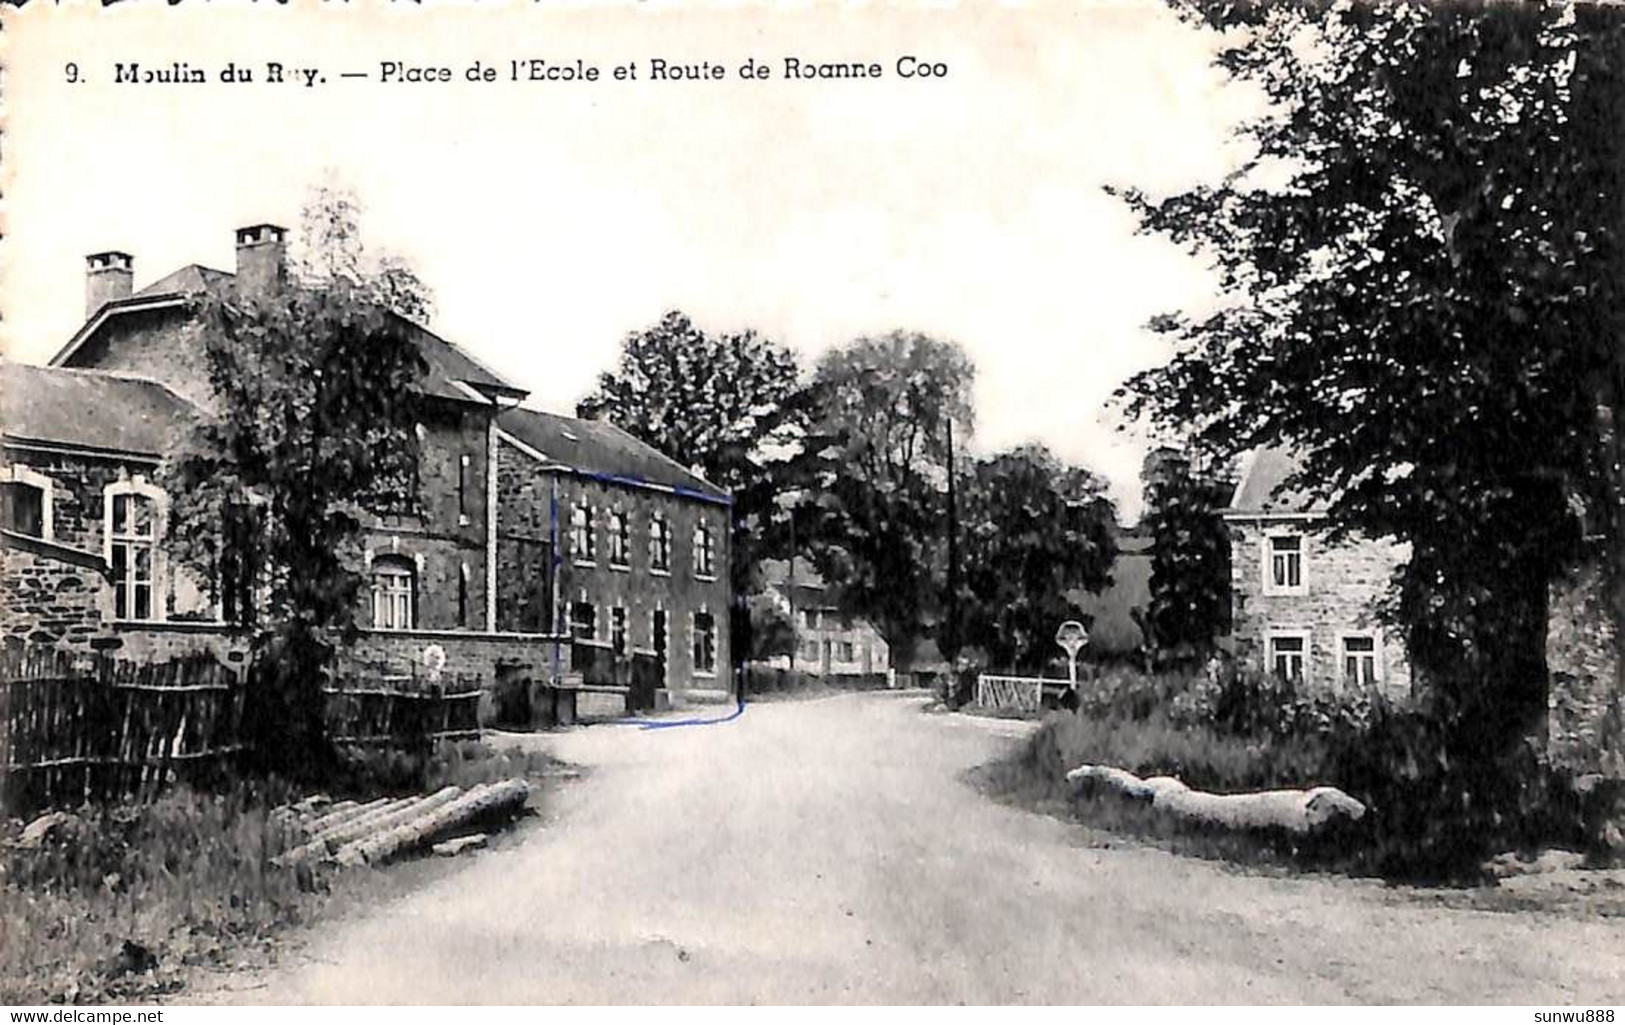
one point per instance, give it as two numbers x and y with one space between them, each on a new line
1303 606
1306 607
84 436
828 642
607 540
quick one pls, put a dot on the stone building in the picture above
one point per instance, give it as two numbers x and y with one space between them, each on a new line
828 642
1302 606
83 439
1305 607
604 538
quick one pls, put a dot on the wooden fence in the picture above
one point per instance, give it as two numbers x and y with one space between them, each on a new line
1021 693
75 728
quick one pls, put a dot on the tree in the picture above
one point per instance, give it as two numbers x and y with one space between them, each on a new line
772 632
311 430
1422 263
1190 557
878 465
1034 530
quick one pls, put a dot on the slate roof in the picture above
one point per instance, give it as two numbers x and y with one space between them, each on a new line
88 409
599 448
1262 474
448 363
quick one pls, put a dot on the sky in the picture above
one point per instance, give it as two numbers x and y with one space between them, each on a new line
551 218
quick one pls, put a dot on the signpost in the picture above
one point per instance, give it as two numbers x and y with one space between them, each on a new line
1072 637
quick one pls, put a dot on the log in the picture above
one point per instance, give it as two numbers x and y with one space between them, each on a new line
452 848
341 812
385 815
486 800
1298 811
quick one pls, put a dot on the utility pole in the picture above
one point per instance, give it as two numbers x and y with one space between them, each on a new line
790 593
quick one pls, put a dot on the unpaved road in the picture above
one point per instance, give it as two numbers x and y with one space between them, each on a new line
827 852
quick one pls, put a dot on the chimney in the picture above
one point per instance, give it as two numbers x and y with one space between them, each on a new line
261 259
108 277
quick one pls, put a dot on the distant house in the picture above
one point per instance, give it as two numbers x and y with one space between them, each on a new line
827 641
1304 607
603 538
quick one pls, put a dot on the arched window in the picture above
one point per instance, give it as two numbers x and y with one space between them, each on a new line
394 588
659 543
134 512
704 551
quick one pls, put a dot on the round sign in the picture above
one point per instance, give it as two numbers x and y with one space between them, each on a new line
1071 636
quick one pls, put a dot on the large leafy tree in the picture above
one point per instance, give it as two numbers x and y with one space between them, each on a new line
1033 531
1190 556
876 472
311 430
1421 263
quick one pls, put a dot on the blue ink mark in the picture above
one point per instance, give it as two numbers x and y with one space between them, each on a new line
666 724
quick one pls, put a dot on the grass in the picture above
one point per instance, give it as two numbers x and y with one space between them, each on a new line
126 901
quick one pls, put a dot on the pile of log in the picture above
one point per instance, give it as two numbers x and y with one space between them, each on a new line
376 832
1298 811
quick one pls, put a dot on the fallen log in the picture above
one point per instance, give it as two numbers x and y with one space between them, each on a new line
452 848
341 812
489 800
1298 811
384 815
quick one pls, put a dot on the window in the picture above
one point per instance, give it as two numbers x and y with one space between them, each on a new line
617 630
394 584
704 555
583 545
658 632
22 508
462 490
583 620
1287 653
844 651
239 563
1283 568
132 533
1359 658
659 544
462 594
705 643
620 539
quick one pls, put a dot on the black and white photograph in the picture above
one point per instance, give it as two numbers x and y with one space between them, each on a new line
674 502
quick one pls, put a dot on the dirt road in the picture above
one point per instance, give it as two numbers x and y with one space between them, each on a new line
826 851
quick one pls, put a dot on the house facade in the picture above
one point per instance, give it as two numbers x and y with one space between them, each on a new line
827 641
1304 607
85 517
606 540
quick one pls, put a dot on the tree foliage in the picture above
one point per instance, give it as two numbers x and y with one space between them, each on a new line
1190 557
1421 264
1034 531
310 431
877 471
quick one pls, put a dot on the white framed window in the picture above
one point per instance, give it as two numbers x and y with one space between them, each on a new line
1287 653
583 620
1286 565
659 543
26 497
394 592
704 551
583 542
1359 659
133 512
705 643
620 539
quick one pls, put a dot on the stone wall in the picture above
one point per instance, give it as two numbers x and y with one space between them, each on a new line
46 600
1344 583
525 496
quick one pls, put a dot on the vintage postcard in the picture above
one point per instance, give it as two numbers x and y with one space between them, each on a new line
905 503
